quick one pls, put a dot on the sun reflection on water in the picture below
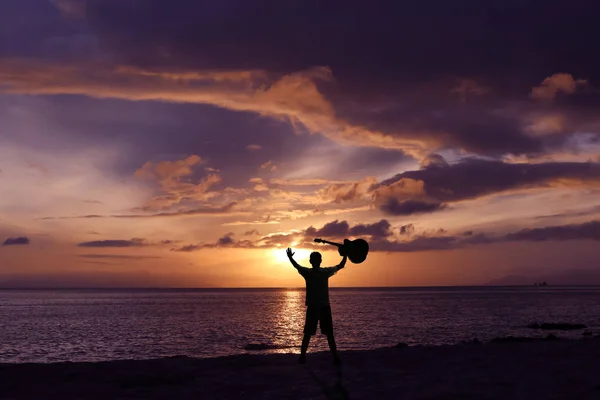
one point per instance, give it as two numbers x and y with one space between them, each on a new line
290 321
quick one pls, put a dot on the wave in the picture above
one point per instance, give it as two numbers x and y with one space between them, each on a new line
266 346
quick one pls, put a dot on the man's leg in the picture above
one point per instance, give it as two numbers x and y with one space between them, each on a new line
305 341
332 346
310 328
327 329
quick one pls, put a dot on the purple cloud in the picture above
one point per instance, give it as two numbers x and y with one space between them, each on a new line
117 256
16 241
113 243
589 230
395 207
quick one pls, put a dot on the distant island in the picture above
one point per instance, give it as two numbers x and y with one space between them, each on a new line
558 278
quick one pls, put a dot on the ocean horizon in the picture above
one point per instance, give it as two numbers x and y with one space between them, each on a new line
163 288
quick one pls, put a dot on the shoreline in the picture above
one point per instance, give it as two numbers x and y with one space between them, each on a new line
542 368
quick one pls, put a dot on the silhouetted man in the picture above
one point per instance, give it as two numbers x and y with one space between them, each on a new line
318 309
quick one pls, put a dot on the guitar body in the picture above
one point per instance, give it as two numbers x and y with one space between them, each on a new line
355 250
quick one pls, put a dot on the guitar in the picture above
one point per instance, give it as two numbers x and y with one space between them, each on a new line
355 250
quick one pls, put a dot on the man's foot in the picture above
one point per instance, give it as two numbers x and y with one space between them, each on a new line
337 360
302 359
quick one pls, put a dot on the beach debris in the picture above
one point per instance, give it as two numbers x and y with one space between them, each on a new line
560 326
472 341
513 339
523 339
400 345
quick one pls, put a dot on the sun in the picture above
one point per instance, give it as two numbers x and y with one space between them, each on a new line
300 255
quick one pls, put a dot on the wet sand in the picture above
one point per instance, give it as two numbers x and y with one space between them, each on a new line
536 370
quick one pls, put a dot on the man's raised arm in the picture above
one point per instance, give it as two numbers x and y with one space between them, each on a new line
341 264
290 255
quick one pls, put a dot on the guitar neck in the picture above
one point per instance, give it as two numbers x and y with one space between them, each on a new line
333 243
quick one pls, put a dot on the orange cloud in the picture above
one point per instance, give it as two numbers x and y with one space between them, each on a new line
348 191
268 165
169 174
468 87
546 125
557 83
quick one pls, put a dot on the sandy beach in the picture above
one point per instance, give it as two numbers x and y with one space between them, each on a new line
541 369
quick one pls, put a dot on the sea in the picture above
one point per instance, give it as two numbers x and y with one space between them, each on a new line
43 326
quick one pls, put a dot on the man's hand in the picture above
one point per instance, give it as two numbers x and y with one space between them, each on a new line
290 255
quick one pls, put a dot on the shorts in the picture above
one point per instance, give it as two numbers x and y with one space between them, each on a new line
318 314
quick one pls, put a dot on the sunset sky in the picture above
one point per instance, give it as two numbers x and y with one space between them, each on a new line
187 143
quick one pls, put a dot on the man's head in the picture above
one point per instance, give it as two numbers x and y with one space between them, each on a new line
315 259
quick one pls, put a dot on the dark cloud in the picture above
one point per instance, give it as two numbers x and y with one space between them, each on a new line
92 201
101 263
118 256
381 237
408 64
394 207
420 243
16 241
334 230
133 242
407 229
439 241
589 211
341 229
189 247
331 229
443 241
227 208
237 34
443 121
431 188
113 243
224 241
377 229
589 230
223 210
